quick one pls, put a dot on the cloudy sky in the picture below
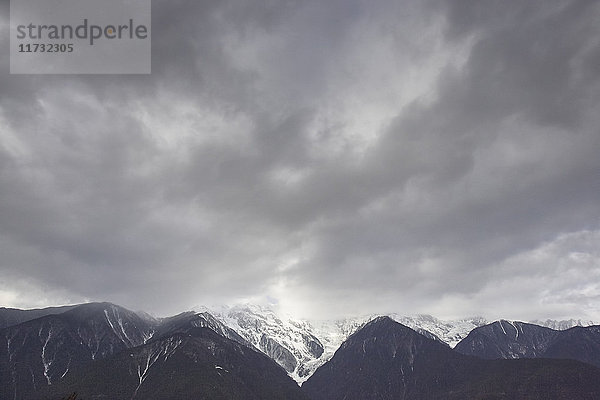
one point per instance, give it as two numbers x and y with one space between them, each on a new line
333 157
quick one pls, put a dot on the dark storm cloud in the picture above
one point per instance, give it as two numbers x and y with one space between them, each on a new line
369 157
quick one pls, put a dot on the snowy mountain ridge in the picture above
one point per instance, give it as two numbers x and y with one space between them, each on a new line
301 346
564 324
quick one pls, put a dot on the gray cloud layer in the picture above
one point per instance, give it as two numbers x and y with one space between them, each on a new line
345 157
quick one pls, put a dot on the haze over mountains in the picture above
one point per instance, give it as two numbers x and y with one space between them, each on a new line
250 352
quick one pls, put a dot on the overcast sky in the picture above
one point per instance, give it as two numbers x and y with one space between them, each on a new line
333 157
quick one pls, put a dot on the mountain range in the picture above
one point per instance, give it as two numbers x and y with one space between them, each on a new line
101 350
302 346
387 360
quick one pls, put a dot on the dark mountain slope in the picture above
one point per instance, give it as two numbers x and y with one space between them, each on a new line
388 361
383 360
195 364
577 343
42 351
504 339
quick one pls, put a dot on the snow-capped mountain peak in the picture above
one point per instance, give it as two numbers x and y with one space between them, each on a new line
289 342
